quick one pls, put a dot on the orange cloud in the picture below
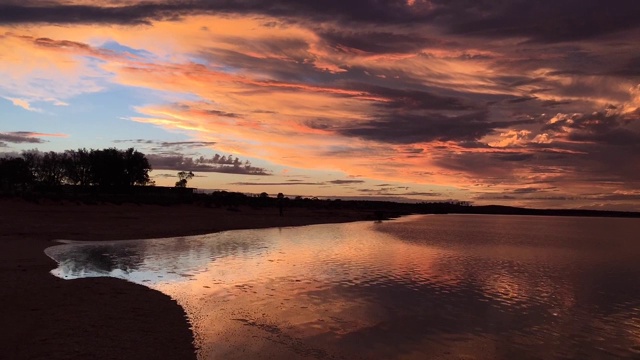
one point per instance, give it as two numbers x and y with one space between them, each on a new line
289 93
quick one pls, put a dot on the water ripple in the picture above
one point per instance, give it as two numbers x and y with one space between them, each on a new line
447 287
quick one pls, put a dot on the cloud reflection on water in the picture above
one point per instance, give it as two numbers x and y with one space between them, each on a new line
448 286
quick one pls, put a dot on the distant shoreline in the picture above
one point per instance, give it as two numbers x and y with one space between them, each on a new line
509 210
232 201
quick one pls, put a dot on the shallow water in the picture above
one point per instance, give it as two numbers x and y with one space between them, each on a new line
438 286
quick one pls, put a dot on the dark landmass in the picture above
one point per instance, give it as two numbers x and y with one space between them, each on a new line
509 210
377 210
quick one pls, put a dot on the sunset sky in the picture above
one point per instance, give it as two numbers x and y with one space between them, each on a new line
524 103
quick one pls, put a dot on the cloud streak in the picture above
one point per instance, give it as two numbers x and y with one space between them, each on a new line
26 137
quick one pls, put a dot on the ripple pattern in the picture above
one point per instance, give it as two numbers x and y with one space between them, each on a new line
446 287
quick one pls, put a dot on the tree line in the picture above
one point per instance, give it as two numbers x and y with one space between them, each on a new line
104 168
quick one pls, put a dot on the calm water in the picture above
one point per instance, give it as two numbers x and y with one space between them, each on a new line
441 286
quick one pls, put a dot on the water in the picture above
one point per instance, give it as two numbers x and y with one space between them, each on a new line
440 286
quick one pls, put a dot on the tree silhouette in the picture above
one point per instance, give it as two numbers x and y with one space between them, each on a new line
116 168
183 177
104 168
15 174
47 168
78 167
280 198
136 168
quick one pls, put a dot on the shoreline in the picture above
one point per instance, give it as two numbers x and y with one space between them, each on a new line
105 318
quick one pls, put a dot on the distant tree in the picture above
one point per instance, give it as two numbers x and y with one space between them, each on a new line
107 167
45 168
183 177
52 170
33 160
14 174
136 168
113 167
280 200
78 167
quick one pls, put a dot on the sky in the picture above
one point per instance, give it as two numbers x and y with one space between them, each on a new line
522 103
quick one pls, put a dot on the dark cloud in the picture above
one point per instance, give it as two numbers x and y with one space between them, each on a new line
20 137
473 144
409 129
135 141
88 14
345 182
526 190
391 11
174 175
604 127
515 157
410 99
630 68
522 99
541 21
295 70
557 21
217 164
274 183
47 42
300 182
479 165
393 192
376 41
614 137
169 144
187 143
608 156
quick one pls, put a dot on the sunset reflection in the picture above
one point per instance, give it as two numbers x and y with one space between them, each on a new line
399 289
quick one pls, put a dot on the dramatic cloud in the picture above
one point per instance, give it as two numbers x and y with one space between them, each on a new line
394 11
515 102
549 22
421 129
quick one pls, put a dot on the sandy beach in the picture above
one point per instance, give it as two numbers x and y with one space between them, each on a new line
48 318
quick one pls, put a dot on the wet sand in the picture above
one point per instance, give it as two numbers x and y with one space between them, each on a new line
44 317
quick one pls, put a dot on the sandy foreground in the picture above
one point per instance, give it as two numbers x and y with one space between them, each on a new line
44 317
